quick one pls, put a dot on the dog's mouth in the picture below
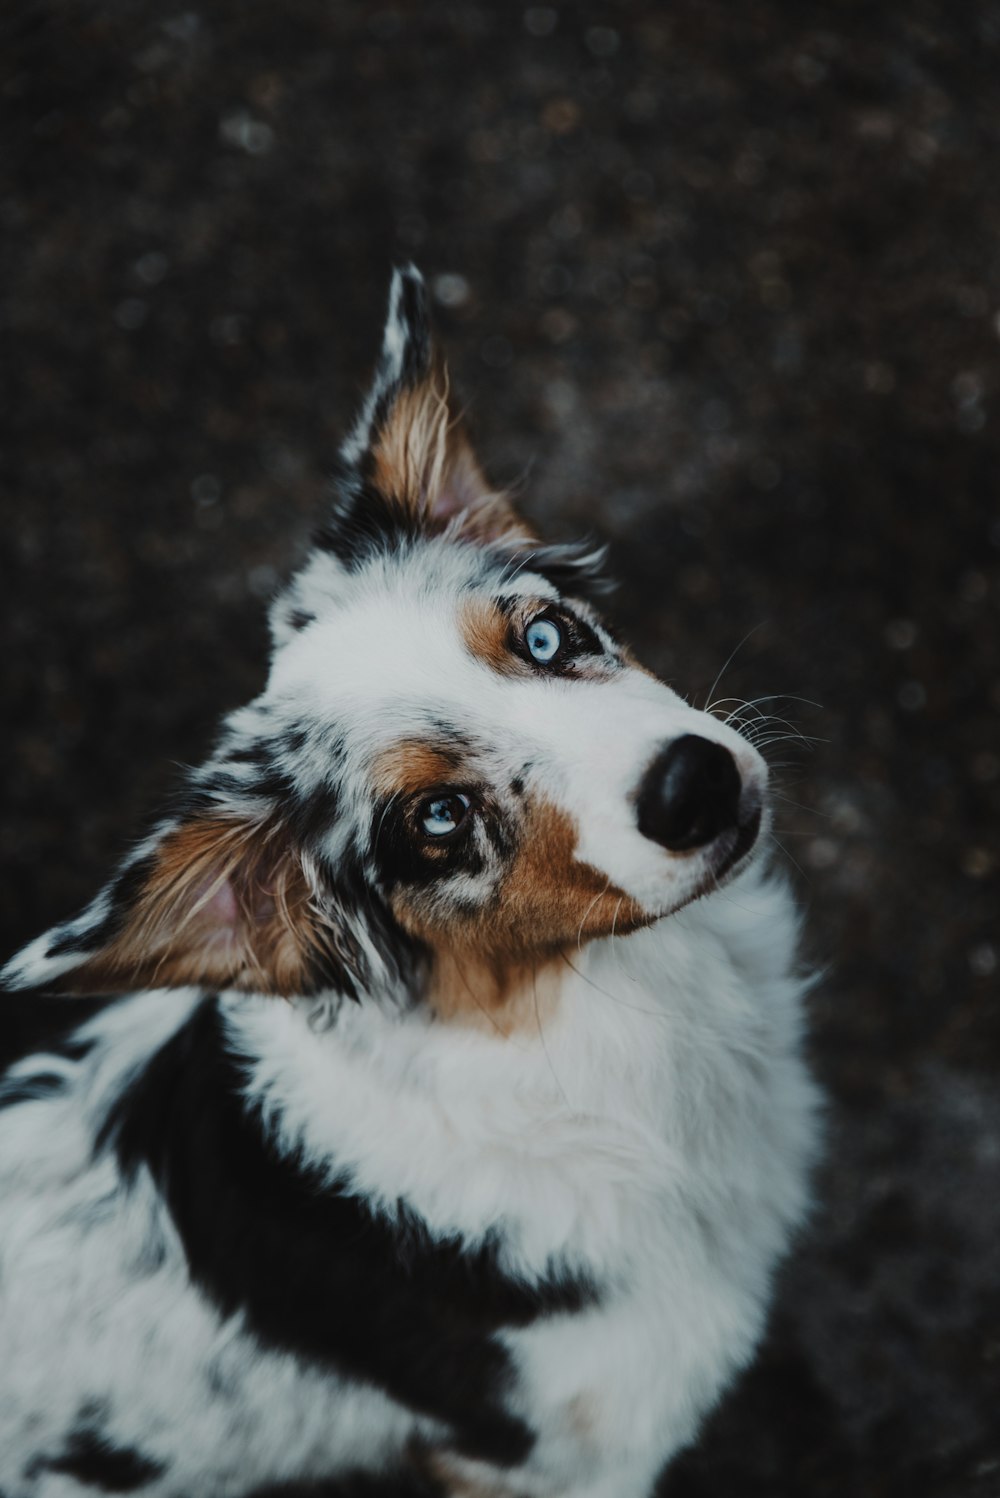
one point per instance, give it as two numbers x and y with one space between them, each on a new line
726 858
746 834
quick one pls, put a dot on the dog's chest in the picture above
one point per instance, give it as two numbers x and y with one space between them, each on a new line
651 1153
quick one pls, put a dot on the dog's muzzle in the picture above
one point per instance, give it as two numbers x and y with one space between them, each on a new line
692 795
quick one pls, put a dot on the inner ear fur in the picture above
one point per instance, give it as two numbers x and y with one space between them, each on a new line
225 904
421 458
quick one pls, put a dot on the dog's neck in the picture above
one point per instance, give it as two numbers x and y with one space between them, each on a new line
639 1051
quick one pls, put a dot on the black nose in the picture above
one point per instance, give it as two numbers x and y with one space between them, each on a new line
689 794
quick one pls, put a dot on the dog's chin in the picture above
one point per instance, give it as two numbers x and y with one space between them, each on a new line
742 843
730 855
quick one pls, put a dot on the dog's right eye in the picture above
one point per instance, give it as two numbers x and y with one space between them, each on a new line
440 816
544 640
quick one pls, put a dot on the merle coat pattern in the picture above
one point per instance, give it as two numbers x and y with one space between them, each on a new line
421 1110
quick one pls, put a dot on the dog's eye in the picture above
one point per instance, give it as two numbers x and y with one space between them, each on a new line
544 640
441 815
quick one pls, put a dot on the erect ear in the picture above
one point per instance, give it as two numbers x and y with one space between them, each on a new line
219 901
408 464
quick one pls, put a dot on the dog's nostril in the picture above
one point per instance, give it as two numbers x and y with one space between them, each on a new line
689 794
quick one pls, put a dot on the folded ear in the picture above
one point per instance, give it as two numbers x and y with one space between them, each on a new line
408 465
219 901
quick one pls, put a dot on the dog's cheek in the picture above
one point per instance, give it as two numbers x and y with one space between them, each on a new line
542 901
552 899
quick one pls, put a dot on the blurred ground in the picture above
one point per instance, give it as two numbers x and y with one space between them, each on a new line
721 283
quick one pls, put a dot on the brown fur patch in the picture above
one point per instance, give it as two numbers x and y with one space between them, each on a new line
505 958
581 1415
507 998
489 631
447 1470
422 459
486 631
412 765
226 904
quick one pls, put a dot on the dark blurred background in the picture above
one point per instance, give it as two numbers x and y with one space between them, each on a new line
721 283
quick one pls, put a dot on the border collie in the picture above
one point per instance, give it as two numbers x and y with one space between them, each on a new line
443 1119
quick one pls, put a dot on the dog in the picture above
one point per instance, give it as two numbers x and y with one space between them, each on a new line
427 1114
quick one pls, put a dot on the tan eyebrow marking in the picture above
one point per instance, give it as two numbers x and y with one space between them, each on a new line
412 765
487 628
486 631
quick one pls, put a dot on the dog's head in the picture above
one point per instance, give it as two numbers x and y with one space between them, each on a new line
454 768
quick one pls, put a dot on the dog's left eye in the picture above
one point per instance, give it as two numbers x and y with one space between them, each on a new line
441 815
544 640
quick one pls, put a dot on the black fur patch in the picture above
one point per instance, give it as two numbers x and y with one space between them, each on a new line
256 753
574 568
84 941
394 1485
125 890
314 1271
403 857
294 739
40 1023
351 893
412 314
364 523
310 814
91 1459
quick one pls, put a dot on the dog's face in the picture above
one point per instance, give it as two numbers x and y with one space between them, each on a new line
454 768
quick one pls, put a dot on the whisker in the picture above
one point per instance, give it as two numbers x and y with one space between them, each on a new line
801 806
783 697
541 1036
789 856
636 1008
385 812
599 896
479 1004
795 738
732 656
614 923
522 562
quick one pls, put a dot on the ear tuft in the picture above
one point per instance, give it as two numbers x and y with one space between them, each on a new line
404 359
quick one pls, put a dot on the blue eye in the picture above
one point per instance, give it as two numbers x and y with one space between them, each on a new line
443 814
543 639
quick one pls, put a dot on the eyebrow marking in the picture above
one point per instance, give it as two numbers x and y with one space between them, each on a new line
486 629
492 629
412 765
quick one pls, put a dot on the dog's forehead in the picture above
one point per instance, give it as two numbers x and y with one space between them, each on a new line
392 642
